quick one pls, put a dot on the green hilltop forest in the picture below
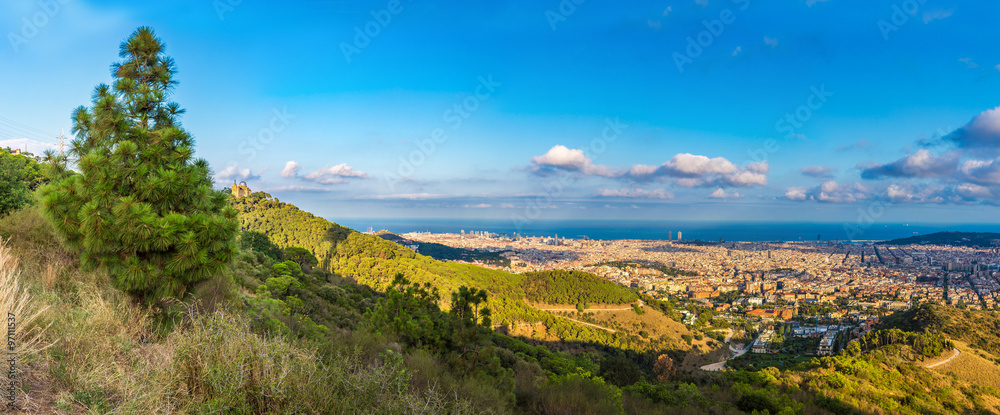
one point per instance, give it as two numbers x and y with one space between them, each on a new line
252 306
574 287
446 253
981 239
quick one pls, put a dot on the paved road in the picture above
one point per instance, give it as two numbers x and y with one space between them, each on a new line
715 367
957 352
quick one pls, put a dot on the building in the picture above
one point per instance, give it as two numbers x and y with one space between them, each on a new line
240 190
679 234
826 344
761 344
774 313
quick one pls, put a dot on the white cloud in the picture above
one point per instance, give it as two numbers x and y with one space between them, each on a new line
562 157
636 193
234 172
770 41
303 189
335 174
969 63
702 3
974 191
737 50
667 10
919 164
687 170
654 24
479 206
830 192
692 170
907 193
291 169
981 133
507 205
810 3
982 171
937 14
818 171
721 194
32 146
408 196
796 193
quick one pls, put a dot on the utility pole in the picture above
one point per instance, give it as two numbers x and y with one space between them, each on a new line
62 143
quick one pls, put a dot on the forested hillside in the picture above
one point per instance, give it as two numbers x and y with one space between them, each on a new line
374 261
574 287
446 253
286 225
980 329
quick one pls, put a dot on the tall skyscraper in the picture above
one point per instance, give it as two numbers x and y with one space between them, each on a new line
670 235
678 235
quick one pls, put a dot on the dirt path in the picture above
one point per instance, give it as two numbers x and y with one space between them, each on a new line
640 303
591 325
585 310
957 352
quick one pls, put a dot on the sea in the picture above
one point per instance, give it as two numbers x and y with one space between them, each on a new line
661 230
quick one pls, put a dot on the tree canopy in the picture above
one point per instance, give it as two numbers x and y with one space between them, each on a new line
143 207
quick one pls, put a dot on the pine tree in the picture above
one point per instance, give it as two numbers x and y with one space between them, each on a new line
142 208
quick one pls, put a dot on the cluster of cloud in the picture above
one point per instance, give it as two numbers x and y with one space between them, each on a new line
830 192
920 164
561 157
685 170
823 172
720 193
635 193
235 172
326 175
967 170
937 14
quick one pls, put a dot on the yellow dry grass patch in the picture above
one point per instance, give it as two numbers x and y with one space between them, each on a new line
652 321
971 367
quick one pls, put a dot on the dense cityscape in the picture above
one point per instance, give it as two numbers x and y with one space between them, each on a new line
765 281
789 272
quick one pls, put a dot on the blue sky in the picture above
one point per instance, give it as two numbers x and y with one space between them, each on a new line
809 110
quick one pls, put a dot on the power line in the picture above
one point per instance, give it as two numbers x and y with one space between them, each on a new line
19 133
62 144
25 126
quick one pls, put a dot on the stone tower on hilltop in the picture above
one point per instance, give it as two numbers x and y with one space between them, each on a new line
240 190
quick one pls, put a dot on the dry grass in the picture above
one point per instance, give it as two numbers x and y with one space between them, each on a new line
656 323
24 334
972 368
114 355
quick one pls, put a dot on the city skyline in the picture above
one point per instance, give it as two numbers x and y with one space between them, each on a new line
691 110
